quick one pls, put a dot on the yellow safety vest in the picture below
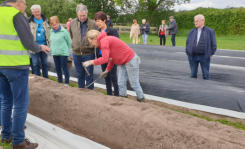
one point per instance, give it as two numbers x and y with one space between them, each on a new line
12 51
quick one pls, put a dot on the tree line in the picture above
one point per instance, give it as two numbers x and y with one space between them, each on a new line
223 21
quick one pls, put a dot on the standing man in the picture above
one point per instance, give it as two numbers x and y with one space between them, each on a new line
82 50
15 39
40 30
172 29
200 46
145 29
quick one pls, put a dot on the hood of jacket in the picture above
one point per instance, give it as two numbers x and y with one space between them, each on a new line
32 18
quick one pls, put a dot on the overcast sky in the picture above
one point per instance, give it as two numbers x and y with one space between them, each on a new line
210 3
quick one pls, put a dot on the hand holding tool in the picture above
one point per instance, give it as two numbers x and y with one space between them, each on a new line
104 74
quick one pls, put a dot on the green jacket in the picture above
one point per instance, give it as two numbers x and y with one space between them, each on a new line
81 46
60 42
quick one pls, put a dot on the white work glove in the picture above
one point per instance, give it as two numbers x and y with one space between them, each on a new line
88 63
104 74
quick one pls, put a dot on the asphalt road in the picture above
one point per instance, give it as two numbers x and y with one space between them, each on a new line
164 72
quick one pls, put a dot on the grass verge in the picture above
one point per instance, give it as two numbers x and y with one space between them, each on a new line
5 146
223 42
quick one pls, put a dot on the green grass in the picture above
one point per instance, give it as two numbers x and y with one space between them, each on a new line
238 125
223 42
5 146
72 84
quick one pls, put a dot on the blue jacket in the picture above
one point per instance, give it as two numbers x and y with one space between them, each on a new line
145 30
210 41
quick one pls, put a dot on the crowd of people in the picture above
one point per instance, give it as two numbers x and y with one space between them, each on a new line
92 41
163 31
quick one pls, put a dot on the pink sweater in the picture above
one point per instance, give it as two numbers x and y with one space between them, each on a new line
114 51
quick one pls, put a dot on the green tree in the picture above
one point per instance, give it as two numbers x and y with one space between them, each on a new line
64 9
108 6
148 7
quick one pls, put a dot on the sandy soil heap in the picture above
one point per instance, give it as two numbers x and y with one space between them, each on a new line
125 124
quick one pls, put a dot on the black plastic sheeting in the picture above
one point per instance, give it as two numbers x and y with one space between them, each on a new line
164 72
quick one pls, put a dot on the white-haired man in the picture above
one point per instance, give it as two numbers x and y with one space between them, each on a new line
200 46
81 48
15 39
40 30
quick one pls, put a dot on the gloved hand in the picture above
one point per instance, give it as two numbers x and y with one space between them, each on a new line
104 74
88 63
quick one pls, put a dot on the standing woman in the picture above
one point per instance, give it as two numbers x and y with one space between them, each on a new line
135 32
145 29
100 20
162 32
60 44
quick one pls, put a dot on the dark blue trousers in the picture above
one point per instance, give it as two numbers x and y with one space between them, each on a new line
61 64
14 94
110 79
173 40
40 59
82 75
205 65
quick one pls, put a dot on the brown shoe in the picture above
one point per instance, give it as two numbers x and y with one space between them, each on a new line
26 144
6 141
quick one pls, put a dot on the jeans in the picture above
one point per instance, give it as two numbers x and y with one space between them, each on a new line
205 65
82 75
110 79
130 71
1 98
36 58
162 38
31 65
15 91
144 37
173 40
61 63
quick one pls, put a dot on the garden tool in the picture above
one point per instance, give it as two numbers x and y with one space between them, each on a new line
85 68
93 81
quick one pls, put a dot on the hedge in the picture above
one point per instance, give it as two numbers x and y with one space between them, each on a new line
223 21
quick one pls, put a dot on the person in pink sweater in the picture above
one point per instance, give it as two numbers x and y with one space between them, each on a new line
115 51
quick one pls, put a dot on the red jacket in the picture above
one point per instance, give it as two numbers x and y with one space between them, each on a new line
114 51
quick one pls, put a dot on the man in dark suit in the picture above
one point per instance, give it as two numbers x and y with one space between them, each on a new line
200 46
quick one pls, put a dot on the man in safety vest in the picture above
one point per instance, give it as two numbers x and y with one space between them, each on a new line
15 39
